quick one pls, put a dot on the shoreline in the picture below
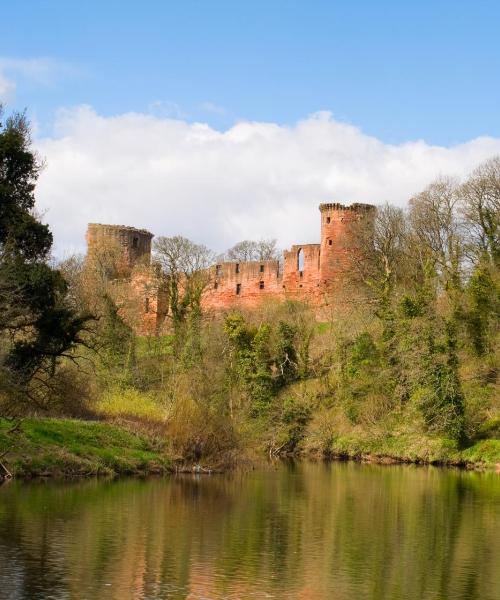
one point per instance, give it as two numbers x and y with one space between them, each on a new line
75 449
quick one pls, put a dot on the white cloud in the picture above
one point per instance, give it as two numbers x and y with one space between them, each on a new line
253 180
39 71
210 107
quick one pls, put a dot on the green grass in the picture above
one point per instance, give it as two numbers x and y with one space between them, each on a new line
417 448
486 451
154 346
323 327
130 403
71 447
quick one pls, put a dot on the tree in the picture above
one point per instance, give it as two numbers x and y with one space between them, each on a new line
438 232
383 250
38 326
479 201
251 361
186 269
249 250
383 262
480 205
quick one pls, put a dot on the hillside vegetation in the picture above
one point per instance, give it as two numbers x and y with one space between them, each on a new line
403 366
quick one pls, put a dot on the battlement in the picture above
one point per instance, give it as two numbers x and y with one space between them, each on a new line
125 228
356 207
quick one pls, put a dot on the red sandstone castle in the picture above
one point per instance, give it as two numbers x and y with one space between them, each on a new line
312 272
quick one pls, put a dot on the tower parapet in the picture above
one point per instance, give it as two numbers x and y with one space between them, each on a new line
134 244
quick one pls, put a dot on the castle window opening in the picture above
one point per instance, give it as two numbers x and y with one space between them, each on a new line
135 242
261 268
328 219
300 260
216 285
329 242
261 285
238 289
146 305
217 270
237 268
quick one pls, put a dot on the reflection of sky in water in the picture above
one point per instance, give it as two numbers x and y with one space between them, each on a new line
310 531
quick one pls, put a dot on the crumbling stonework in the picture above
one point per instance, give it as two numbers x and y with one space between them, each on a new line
312 272
315 273
134 244
123 255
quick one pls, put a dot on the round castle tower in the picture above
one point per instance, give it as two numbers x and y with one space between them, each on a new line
338 242
134 243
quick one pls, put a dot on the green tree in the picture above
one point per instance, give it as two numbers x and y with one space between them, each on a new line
251 361
186 267
287 353
38 326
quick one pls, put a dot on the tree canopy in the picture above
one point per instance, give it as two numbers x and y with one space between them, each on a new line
37 324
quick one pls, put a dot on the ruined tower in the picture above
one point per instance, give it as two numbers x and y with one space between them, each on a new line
339 241
123 255
133 244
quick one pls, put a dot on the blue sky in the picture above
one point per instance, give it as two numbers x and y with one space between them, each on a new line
223 120
399 70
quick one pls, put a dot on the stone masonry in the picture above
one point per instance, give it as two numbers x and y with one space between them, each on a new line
315 273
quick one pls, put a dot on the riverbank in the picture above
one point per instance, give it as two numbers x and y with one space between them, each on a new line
76 448
55 447
481 455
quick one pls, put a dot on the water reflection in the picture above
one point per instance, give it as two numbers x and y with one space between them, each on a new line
304 531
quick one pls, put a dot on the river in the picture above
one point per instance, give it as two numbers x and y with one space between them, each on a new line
308 531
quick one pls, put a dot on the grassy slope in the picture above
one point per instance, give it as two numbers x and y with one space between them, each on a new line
418 448
73 447
70 447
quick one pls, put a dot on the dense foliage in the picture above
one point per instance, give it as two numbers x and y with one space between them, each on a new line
37 324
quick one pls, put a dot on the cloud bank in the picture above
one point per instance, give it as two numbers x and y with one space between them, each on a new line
254 180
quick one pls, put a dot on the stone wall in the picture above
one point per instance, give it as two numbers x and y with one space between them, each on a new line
301 272
243 284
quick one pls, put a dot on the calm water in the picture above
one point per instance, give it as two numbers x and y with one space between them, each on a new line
307 531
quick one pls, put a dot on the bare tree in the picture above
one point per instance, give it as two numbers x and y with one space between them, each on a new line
267 250
249 250
383 249
437 229
242 251
480 206
186 269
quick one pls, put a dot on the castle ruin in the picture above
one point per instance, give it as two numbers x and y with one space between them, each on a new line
315 273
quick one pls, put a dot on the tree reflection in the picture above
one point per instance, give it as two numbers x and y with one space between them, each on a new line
301 531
